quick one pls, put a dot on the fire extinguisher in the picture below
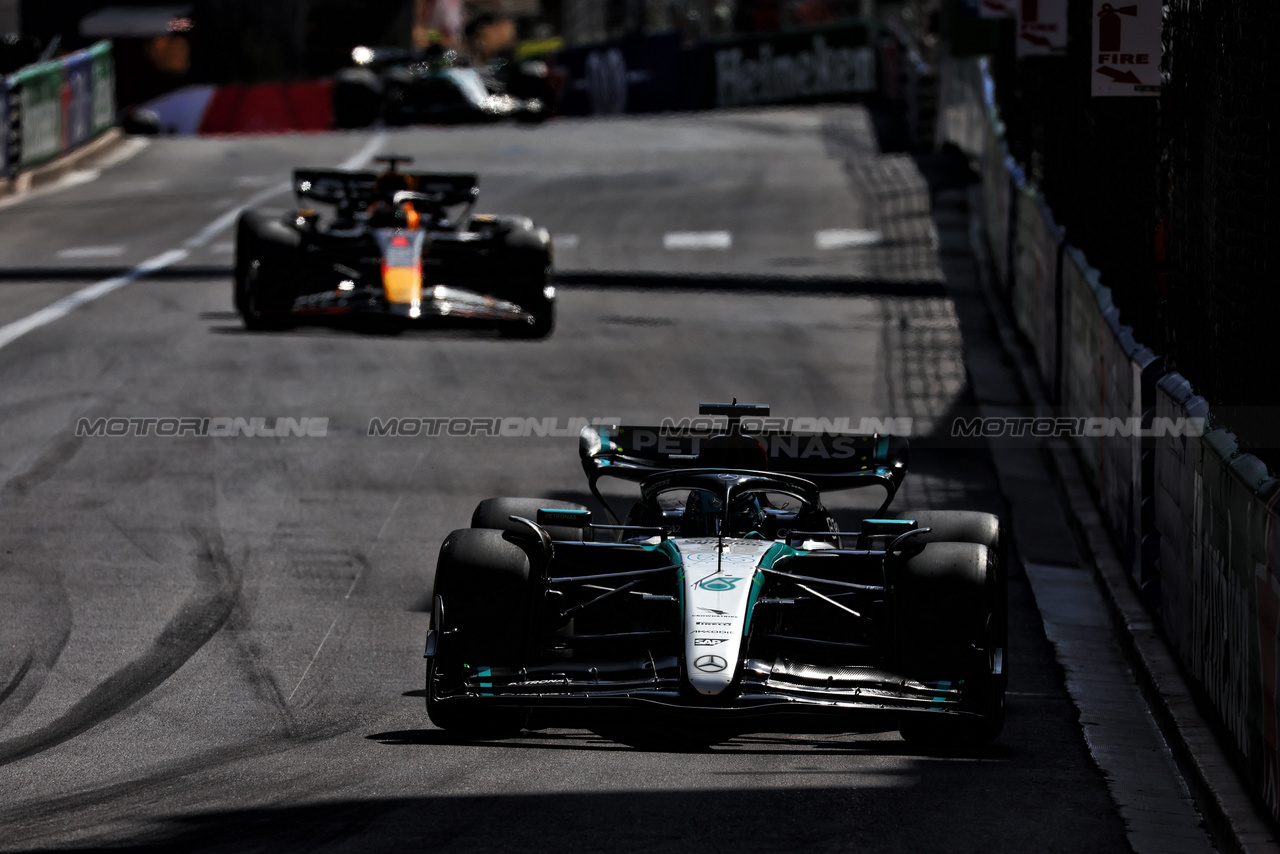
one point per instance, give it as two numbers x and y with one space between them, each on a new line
1109 26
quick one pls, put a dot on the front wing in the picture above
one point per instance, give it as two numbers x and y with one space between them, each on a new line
439 302
765 688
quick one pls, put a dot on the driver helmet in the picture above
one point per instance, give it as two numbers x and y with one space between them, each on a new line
703 512
701 517
389 183
746 515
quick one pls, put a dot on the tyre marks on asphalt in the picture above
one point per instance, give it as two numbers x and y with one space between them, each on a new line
24 821
35 624
196 621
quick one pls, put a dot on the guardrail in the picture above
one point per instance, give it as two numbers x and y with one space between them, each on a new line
1196 520
52 107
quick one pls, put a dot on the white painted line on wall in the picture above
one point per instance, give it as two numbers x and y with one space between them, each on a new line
82 252
697 240
845 238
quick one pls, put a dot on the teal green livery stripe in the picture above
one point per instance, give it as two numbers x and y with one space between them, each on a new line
940 700
776 552
485 673
757 582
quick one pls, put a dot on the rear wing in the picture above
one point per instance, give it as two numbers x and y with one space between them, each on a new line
831 461
357 190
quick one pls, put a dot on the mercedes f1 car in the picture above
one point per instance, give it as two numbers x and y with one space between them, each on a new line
725 599
404 86
398 247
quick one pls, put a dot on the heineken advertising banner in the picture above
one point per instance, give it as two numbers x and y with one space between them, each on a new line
655 73
800 65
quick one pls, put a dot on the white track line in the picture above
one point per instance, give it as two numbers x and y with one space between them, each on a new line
697 240
350 590
11 332
312 661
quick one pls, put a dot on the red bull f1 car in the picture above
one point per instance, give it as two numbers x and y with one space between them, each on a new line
725 599
397 248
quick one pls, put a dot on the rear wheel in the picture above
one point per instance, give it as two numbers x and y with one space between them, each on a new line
480 616
949 618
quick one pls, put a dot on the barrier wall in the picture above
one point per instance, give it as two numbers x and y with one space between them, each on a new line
269 108
6 130
638 74
1216 519
1197 520
785 67
1035 293
53 107
656 73
104 87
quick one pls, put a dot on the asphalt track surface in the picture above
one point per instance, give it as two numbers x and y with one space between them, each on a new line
216 643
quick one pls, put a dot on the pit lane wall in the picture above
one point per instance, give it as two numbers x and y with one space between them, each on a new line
1195 519
50 108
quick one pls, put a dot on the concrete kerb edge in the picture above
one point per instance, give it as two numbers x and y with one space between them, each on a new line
1231 812
46 173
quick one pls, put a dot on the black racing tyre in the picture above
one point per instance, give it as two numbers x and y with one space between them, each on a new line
949 615
265 275
481 618
524 276
957 526
497 513
357 98
971 526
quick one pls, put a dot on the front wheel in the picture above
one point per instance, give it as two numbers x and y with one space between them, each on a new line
480 618
950 625
265 271
538 299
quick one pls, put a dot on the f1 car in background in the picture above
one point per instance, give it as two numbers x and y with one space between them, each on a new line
727 601
398 247
402 87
